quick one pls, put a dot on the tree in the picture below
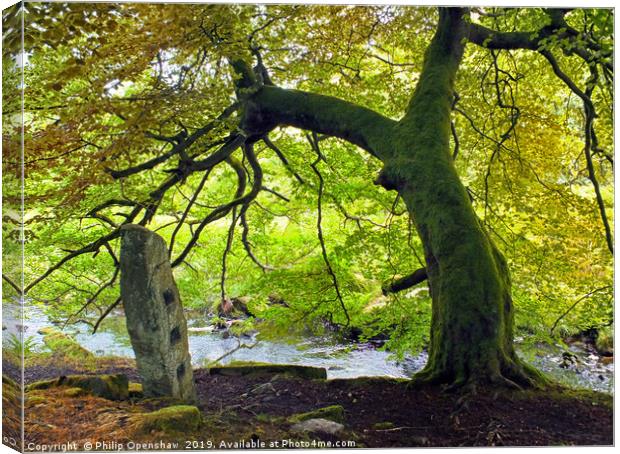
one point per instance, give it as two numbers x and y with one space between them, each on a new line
167 85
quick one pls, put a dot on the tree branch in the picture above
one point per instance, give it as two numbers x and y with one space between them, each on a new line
181 145
283 158
229 242
187 210
405 282
106 313
246 242
12 284
589 134
274 106
223 210
567 311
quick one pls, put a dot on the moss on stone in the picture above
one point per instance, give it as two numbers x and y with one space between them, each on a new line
364 382
333 413
135 390
75 392
261 369
263 417
36 400
562 393
62 344
6 380
11 391
113 387
41 384
175 419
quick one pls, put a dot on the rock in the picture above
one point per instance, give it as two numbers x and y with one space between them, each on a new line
112 387
366 382
261 369
182 419
237 306
154 314
333 413
263 388
318 426
33 401
606 359
568 359
64 345
135 390
201 329
75 392
226 307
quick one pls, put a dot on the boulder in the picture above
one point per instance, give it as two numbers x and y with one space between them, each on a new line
64 345
155 319
75 392
264 369
182 419
234 307
11 392
276 300
333 413
135 390
605 342
318 426
112 387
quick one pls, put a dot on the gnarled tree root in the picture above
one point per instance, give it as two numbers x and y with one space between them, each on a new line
514 375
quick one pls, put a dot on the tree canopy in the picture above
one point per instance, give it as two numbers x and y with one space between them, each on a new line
137 113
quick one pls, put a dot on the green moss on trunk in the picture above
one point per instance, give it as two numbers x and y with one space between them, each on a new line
472 315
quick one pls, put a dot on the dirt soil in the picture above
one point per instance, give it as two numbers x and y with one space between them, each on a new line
378 413
424 416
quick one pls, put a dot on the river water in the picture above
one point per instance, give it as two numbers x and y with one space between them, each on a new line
585 370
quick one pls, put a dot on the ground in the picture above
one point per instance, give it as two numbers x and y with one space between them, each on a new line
378 413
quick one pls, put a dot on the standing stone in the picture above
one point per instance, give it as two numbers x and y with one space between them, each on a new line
155 319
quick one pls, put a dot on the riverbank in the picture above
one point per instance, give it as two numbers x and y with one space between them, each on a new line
577 364
264 408
237 410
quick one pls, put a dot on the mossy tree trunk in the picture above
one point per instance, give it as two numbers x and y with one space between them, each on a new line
472 319
471 338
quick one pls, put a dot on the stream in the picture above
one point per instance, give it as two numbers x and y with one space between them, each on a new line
584 369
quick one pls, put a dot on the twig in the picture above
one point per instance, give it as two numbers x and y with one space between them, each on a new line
187 210
229 242
246 242
315 146
282 158
94 297
566 312
106 313
230 352
590 113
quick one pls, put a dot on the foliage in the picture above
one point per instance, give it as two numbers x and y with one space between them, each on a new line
111 86
17 348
